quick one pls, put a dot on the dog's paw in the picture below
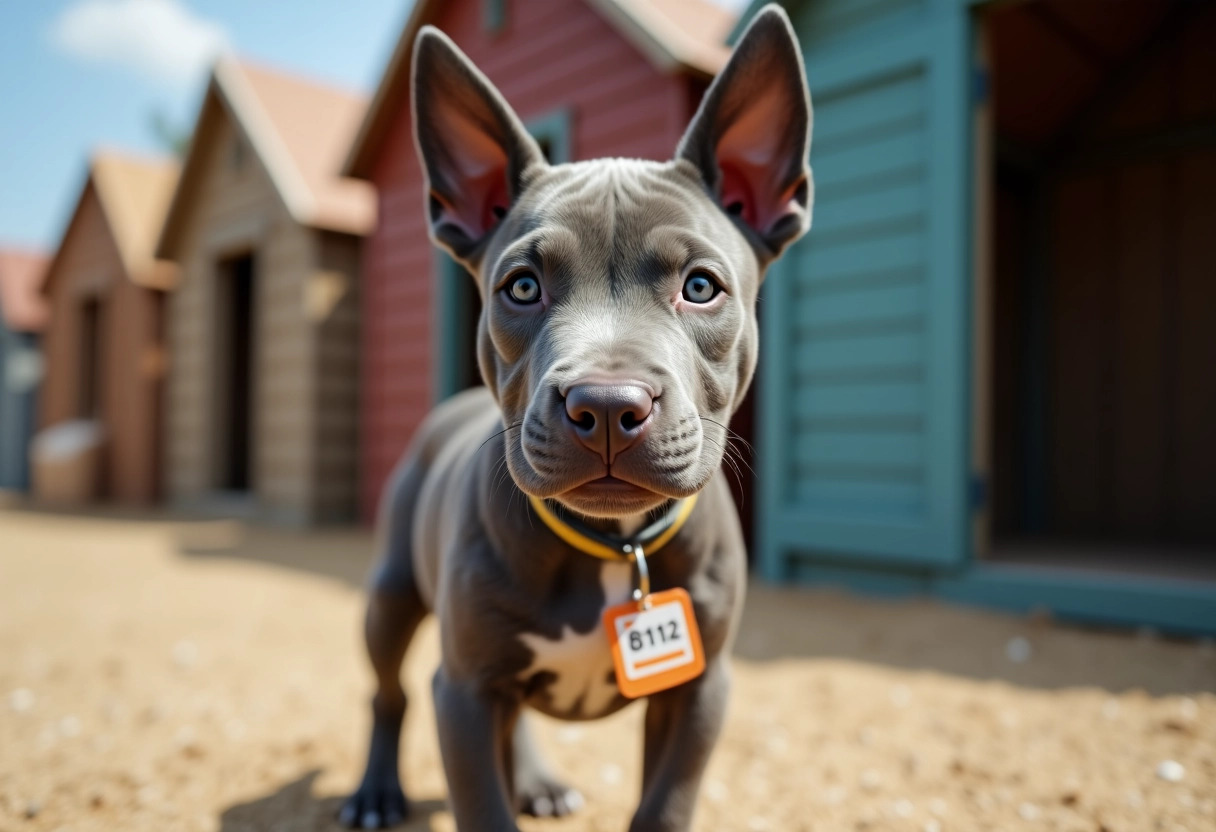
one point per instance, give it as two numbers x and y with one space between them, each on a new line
374 806
547 799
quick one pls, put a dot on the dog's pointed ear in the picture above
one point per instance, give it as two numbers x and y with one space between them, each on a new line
751 136
474 149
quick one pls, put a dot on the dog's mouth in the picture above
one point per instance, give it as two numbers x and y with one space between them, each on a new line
610 496
609 484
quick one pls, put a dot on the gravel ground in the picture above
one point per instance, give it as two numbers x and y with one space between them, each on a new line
165 675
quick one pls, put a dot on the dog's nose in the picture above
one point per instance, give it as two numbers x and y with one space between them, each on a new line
608 418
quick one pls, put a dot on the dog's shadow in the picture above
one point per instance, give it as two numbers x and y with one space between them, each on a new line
294 808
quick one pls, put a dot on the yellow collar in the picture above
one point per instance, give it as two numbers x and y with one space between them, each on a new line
591 542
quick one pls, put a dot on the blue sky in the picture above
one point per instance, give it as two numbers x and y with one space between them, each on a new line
78 74
71 81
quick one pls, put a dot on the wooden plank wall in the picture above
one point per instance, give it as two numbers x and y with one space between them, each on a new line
1130 304
89 267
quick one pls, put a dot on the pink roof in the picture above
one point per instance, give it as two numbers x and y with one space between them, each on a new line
21 302
300 130
316 123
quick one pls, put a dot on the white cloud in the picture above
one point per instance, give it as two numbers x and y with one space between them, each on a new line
160 39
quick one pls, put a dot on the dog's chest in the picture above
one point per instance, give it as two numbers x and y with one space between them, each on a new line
581 663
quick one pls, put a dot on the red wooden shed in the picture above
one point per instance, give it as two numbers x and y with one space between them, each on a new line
590 78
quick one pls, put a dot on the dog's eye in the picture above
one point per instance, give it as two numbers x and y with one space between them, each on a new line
700 288
524 288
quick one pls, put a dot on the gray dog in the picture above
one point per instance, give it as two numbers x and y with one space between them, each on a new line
617 337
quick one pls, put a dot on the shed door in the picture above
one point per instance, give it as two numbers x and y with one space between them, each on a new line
864 437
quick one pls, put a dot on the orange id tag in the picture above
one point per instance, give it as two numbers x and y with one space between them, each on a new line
657 647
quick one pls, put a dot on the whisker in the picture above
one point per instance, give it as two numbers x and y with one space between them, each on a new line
730 433
732 455
498 434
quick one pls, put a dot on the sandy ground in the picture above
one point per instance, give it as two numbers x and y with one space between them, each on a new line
161 675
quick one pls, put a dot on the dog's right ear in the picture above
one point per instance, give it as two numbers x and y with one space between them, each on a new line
751 136
474 149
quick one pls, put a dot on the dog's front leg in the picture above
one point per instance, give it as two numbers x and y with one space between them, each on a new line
682 726
474 736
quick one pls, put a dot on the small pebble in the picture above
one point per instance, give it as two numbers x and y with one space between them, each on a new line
901 696
611 774
870 780
1028 812
1018 650
569 734
835 795
1110 709
932 825
938 807
22 700
903 808
185 736
758 824
1188 708
69 726
185 654
32 809
716 791
1171 771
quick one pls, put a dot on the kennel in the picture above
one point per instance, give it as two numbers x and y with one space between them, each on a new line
261 398
987 370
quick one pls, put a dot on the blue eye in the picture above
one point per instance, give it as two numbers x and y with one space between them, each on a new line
700 288
524 288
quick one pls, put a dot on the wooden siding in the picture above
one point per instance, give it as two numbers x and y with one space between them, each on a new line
547 55
862 439
334 306
1106 299
1131 306
302 327
88 268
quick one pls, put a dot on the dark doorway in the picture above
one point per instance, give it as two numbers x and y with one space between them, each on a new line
1104 299
235 364
91 366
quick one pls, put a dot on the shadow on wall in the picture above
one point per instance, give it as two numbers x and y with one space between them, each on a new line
294 807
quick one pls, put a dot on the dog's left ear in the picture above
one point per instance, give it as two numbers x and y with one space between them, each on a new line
751 136
474 149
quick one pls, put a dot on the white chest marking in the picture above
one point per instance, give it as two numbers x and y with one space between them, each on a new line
582 661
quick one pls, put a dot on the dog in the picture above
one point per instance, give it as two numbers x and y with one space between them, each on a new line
616 339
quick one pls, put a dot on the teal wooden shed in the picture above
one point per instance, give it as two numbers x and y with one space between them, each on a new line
988 372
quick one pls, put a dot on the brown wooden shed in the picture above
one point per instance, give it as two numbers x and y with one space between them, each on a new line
590 78
104 346
262 395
